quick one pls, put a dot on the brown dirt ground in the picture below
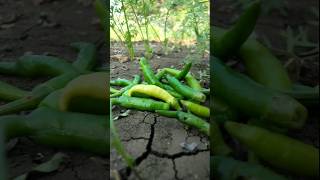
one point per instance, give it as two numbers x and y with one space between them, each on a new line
154 141
48 28
304 70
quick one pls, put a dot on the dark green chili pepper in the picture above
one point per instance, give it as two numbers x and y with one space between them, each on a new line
143 104
231 40
254 100
173 92
10 93
148 74
184 90
190 80
120 82
264 67
32 100
60 129
308 96
184 71
278 150
225 168
36 65
166 113
160 74
135 81
86 59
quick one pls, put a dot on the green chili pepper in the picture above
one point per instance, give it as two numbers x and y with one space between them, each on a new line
264 67
113 90
184 71
225 168
86 59
254 100
52 100
166 113
135 81
87 92
120 82
171 91
196 109
143 104
188 119
194 121
184 90
36 65
156 92
148 74
308 96
10 93
160 74
276 149
231 40
190 80
32 100
60 129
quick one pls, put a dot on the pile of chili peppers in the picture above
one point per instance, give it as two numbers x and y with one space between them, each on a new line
263 106
67 111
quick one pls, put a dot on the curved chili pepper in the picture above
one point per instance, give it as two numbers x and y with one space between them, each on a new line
143 104
135 81
36 65
156 92
185 71
60 129
148 74
188 119
254 100
86 59
91 88
276 149
184 90
196 109
10 93
225 168
231 40
32 100
190 80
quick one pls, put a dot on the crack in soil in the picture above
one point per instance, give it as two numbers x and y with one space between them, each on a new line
175 170
134 138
